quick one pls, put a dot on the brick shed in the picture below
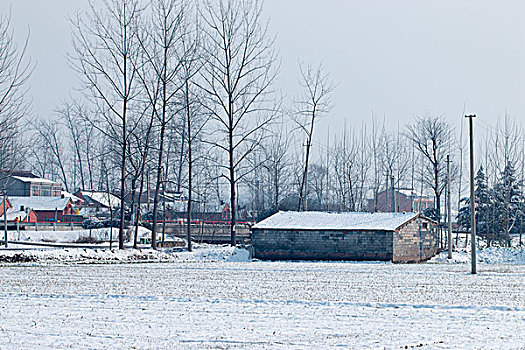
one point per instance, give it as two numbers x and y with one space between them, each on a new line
397 237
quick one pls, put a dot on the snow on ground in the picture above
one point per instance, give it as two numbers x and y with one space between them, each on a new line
214 253
490 255
262 305
66 236
83 255
201 252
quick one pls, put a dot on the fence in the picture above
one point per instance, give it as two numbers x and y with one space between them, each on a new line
42 226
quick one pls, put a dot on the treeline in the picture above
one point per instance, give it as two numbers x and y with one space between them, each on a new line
499 197
182 96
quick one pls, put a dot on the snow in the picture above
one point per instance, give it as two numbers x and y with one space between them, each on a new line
72 196
214 253
83 255
35 180
201 253
39 202
490 255
66 236
100 234
261 305
335 221
13 213
217 297
103 198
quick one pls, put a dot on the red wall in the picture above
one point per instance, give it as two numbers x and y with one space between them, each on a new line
31 217
2 205
49 215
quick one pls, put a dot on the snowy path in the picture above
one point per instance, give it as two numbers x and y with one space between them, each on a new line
261 305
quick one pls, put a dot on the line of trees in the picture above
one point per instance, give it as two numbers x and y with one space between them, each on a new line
15 70
173 93
499 193
181 96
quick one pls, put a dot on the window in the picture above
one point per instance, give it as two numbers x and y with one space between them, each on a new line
425 225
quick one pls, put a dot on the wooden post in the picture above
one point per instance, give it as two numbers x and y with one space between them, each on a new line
55 222
472 198
5 220
393 204
449 206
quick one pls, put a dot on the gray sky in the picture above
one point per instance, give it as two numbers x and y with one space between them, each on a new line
396 58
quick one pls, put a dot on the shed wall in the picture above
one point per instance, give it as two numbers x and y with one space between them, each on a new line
322 245
15 187
413 242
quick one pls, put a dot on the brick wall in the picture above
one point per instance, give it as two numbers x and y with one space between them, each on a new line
322 245
408 244
416 241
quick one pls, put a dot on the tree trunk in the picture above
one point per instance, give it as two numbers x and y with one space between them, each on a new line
123 180
190 167
157 189
233 208
139 209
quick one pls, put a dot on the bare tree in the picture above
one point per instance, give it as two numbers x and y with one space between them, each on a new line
140 145
376 143
82 135
504 154
277 164
15 70
237 83
195 120
346 162
163 54
50 137
396 162
105 50
310 107
434 138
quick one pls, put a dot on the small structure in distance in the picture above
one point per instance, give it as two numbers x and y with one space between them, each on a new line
405 200
26 184
397 237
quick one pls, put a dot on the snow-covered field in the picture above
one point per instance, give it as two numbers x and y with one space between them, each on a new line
194 303
202 252
66 236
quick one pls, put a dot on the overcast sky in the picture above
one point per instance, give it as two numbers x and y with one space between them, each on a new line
397 59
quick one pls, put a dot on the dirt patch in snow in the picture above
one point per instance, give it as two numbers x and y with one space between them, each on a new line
84 256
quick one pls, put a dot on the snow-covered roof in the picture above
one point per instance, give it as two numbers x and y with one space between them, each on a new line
408 192
35 180
102 198
309 220
39 202
71 195
13 213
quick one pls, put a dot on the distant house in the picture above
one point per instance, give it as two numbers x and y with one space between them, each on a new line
76 200
397 237
405 200
15 214
217 213
45 208
26 184
175 201
98 199
28 216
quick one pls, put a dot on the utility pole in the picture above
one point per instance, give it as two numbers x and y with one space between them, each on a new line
472 204
393 204
305 206
5 220
449 205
